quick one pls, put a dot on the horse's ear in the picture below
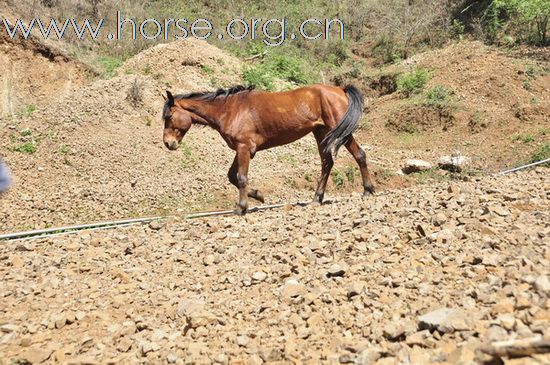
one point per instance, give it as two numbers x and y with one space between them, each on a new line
164 97
170 98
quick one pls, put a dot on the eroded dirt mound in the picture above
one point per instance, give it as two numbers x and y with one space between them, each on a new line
492 100
425 275
34 72
189 64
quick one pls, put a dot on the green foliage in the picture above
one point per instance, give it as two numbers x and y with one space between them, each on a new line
528 19
207 70
188 159
27 111
525 138
27 147
439 97
350 173
277 66
64 149
413 82
26 132
338 178
531 71
259 77
542 153
109 65
288 158
457 29
388 50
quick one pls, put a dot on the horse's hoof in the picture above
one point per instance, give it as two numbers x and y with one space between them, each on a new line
240 211
255 194
368 191
317 200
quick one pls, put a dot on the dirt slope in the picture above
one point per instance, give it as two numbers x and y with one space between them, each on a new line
34 72
340 283
496 99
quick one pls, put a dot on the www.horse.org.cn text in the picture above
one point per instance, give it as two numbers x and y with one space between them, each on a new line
273 32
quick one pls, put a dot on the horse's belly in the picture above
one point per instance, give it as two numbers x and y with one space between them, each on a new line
284 137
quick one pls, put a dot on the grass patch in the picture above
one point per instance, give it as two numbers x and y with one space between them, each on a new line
350 173
108 66
207 70
64 149
542 153
424 177
28 110
408 138
412 82
188 159
478 121
287 158
27 147
525 138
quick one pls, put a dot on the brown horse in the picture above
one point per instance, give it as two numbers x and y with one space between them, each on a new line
250 121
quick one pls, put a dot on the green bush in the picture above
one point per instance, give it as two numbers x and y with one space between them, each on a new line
439 96
258 76
542 153
287 68
413 82
529 20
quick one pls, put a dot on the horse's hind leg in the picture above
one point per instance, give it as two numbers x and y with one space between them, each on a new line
232 175
326 165
361 158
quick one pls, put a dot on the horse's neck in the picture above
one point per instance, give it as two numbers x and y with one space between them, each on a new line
208 111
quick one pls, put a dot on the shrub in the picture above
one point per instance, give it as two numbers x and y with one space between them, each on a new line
288 68
259 77
135 93
542 153
412 82
28 147
529 19
338 178
439 96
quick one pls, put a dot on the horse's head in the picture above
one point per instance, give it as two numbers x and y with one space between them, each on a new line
177 122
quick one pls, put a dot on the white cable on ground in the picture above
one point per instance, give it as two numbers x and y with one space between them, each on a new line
522 167
62 231
54 232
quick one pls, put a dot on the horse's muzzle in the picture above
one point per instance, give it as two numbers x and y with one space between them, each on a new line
172 146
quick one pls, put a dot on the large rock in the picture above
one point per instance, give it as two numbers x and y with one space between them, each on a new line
412 166
453 163
444 320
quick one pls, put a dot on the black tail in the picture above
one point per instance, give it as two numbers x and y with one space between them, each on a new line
340 135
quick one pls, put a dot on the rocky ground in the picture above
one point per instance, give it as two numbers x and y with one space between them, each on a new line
433 274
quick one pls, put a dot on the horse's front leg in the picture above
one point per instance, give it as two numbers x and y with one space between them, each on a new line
243 161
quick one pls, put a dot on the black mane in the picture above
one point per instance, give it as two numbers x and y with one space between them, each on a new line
208 95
